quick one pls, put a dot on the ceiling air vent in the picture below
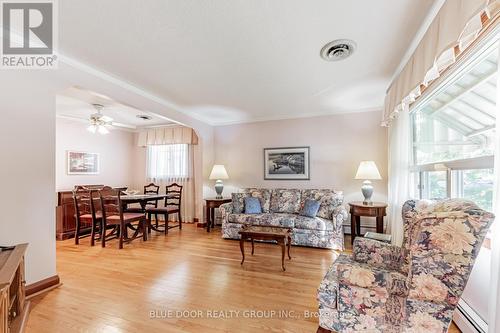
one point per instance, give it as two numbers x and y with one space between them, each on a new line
144 117
338 49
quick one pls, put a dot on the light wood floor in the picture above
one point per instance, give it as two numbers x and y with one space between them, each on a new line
111 290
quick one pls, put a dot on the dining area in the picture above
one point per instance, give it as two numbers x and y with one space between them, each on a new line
104 213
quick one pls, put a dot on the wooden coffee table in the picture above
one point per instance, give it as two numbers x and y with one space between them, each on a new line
281 235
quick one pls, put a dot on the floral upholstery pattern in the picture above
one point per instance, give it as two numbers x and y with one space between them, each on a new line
412 288
285 201
329 199
325 231
264 196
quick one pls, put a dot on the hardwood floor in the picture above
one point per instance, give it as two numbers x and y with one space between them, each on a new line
111 290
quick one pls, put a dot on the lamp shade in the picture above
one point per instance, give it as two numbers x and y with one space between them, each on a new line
218 172
367 170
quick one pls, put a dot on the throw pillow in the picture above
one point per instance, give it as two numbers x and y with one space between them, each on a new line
238 202
311 208
252 205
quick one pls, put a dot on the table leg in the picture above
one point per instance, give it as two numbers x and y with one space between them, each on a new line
358 225
380 224
252 245
289 244
282 243
353 228
242 248
212 217
207 213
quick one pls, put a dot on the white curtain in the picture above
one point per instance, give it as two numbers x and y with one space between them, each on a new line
173 163
494 302
399 175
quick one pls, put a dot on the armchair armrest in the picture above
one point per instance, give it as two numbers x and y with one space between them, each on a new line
361 275
380 254
226 209
339 216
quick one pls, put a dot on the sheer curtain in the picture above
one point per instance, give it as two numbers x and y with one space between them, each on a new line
173 163
399 175
494 302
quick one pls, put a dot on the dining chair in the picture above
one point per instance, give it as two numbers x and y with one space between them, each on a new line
113 215
172 205
86 214
151 188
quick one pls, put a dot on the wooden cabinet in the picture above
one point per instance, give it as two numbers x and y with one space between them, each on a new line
13 306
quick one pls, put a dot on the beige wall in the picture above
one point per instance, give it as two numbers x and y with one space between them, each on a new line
338 143
115 153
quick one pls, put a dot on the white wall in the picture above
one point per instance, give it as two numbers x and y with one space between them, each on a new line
115 152
27 169
338 143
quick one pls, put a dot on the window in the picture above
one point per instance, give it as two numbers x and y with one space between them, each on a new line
453 133
168 161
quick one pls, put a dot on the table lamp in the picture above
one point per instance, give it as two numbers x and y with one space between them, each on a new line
218 173
367 170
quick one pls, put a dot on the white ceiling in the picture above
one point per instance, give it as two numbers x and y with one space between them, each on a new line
228 61
76 104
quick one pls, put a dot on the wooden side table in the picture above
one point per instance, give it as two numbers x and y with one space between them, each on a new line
358 209
211 204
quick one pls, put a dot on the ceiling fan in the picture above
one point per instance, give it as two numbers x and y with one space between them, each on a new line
98 122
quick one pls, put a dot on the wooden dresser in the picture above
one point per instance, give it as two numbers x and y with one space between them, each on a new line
13 305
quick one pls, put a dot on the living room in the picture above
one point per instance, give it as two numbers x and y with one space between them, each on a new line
263 166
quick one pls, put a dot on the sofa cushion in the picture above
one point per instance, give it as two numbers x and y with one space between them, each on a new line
329 200
264 196
252 205
238 200
252 219
277 220
313 223
285 201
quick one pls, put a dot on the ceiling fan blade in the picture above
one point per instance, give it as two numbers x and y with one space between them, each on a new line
106 119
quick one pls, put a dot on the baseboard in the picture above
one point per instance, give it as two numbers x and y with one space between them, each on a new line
467 320
42 286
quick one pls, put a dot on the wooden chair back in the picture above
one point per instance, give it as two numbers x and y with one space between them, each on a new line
84 200
110 202
152 188
174 196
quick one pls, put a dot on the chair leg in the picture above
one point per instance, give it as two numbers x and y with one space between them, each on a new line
77 232
144 230
180 220
103 233
92 232
166 224
123 229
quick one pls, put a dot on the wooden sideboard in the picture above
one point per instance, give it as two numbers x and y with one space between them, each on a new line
13 305
65 213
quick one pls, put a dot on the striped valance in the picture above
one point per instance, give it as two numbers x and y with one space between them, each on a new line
167 135
457 24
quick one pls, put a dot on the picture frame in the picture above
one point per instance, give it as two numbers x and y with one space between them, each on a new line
287 163
82 163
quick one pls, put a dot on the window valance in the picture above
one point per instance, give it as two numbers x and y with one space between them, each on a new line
167 135
455 27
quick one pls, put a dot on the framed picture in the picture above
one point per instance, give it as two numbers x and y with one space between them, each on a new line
290 163
82 163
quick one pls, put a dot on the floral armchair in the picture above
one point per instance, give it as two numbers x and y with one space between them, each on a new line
413 288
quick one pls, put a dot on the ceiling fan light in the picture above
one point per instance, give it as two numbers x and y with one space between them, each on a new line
92 128
102 130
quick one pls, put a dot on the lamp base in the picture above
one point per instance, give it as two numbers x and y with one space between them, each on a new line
219 187
367 190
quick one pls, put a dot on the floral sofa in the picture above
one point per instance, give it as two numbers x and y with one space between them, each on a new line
281 207
413 288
